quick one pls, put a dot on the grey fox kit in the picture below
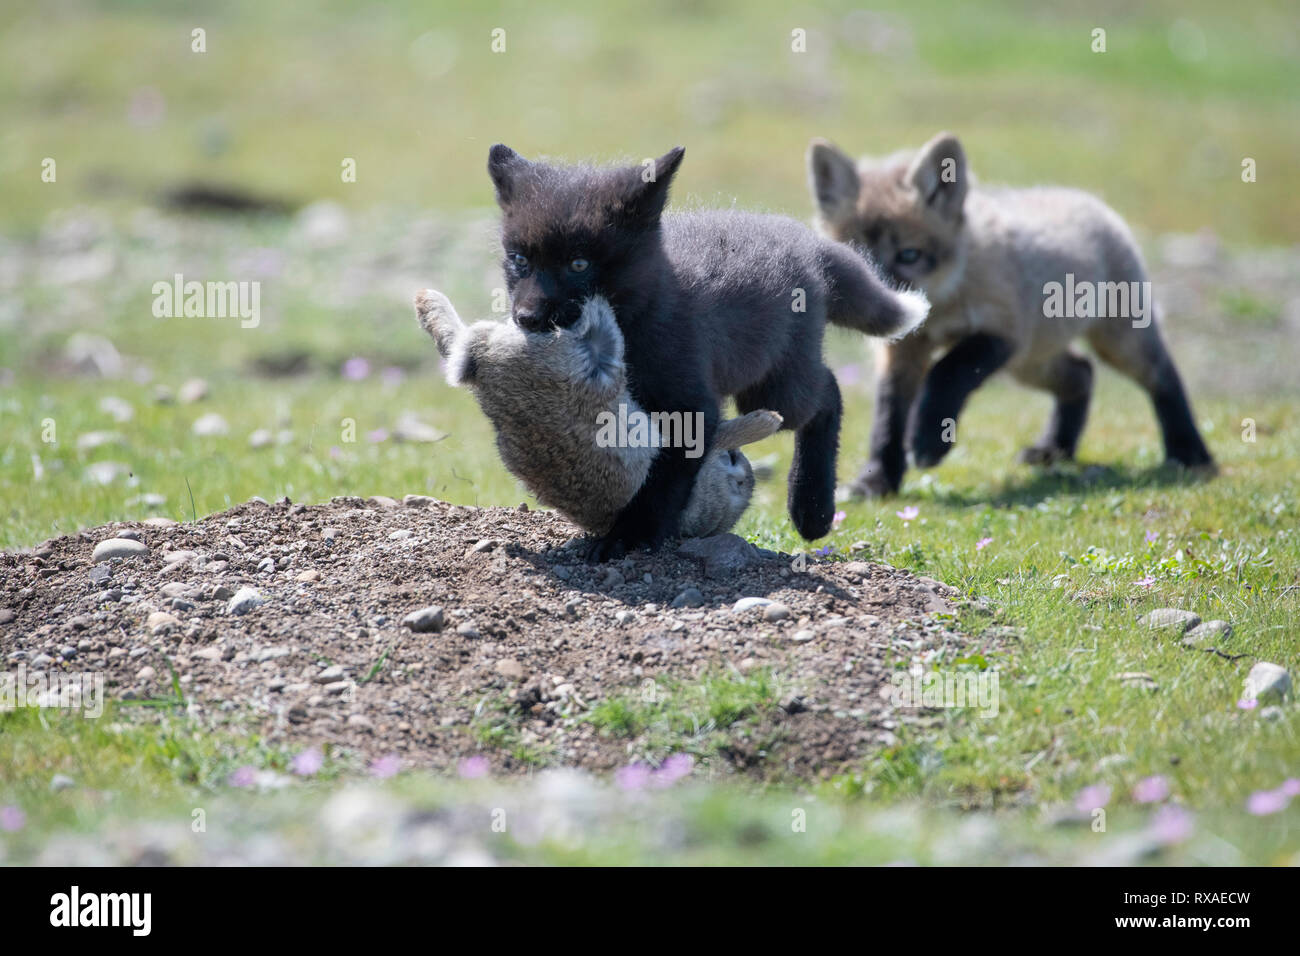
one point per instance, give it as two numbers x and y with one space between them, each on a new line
995 265
548 395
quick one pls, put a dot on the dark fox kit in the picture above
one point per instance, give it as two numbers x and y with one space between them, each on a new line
711 304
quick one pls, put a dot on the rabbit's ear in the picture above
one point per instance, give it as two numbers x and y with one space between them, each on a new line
435 313
601 344
737 432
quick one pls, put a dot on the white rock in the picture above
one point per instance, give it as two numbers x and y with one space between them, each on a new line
426 620
117 548
1267 681
745 603
245 600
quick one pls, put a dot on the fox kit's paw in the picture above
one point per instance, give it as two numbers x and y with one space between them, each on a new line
928 447
873 482
1043 455
438 317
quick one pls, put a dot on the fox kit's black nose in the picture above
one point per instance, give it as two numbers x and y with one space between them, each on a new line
531 321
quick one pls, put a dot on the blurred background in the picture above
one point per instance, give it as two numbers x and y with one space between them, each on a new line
145 139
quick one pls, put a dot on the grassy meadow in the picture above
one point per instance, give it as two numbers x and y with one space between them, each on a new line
336 370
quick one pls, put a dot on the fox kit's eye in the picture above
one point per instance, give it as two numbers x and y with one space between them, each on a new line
579 265
520 262
907 257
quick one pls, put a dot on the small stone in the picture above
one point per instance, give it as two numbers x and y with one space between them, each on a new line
195 390
510 669
337 687
160 621
360 721
41 660
467 629
1207 634
1267 681
179 557
427 620
691 597
401 534
418 501
310 576
210 425
178 589
100 574
747 603
613 578
1171 619
244 600
221 593
802 636
6 615
329 675
1137 679
622 617
117 548
486 544
724 555
145 674
61 782
775 612
383 501
212 654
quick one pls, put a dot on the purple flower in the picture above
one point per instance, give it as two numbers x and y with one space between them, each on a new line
837 519
1263 802
1291 787
391 375
245 777
12 819
1092 798
336 451
632 777
355 369
385 767
983 543
378 435
849 374
472 768
308 762
1151 537
1151 790
909 513
1171 824
673 769
825 551
1145 582
1247 703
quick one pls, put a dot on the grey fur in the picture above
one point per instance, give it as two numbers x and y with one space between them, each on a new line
543 393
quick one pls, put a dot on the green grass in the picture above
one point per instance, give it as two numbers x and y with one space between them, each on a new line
281 98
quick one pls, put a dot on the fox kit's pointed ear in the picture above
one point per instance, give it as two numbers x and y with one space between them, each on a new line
649 189
833 179
504 166
939 174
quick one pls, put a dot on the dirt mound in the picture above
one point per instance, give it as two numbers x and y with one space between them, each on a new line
535 656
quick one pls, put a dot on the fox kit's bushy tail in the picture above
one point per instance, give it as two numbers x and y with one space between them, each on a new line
860 299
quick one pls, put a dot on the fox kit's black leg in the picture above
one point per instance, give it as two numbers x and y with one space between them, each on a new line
930 430
1141 355
811 491
1069 378
900 367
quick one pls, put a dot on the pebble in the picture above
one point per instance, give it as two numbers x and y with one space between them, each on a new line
210 425
309 576
329 675
427 620
613 578
178 589
802 636
146 674
1207 634
1266 681
776 612
244 600
623 617
723 555
467 630
746 603
40 660
117 548
401 534
177 557
6 615
691 597
208 654
510 669
360 721
160 621
1171 618
194 390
